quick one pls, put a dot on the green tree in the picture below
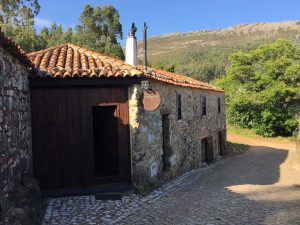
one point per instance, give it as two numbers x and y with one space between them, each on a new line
16 20
13 10
99 30
261 87
54 35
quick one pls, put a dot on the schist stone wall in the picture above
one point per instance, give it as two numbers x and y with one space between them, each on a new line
163 146
15 132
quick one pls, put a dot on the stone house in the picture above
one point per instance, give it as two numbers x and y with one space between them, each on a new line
97 120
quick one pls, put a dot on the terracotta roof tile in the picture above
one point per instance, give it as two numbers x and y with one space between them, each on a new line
68 60
14 49
178 79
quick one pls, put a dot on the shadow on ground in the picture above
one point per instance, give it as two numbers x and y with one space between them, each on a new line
244 189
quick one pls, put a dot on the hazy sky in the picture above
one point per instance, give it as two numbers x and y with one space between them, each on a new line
165 16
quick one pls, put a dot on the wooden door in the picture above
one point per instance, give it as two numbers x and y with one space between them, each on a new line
207 150
64 122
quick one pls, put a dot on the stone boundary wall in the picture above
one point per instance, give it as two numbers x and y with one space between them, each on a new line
151 165
15 126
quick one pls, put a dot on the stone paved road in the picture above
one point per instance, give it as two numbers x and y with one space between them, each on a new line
258 187
262 186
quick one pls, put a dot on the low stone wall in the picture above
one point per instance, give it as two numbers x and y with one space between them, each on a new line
152 164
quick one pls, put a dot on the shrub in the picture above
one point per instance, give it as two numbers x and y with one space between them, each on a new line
261 86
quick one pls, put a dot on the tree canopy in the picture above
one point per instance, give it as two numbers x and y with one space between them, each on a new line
16 20
18 11
99 28
262 88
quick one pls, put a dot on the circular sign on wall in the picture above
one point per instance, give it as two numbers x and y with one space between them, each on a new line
151 100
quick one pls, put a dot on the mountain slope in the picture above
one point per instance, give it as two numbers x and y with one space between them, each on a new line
204 54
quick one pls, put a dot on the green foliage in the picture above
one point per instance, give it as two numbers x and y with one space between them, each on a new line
99 28
161 66
261 87
16 20
18 11
52 36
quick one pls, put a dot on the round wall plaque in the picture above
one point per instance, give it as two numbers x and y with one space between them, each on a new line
151 100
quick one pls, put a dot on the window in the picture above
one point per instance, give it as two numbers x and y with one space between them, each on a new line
219 105
179 116
203 106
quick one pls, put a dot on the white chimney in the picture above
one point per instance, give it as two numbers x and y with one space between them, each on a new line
131 47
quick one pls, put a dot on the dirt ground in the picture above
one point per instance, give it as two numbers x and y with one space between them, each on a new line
262 142
289 169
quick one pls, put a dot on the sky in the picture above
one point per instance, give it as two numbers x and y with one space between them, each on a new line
166 16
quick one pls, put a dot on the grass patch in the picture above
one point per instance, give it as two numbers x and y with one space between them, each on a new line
251 134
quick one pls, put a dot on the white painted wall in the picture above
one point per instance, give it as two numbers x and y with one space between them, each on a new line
131 51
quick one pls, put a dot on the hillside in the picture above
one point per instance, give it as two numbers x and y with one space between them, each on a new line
204 54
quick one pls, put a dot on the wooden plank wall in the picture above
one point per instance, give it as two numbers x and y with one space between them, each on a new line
62 126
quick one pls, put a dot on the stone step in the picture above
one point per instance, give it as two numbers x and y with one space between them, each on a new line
123 188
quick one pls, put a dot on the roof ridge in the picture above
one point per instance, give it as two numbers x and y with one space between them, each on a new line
80 49
98 54
46 50
190 80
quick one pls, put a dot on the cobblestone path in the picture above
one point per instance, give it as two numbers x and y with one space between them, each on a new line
258 187
262 186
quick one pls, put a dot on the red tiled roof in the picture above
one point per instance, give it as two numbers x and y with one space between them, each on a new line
68 60
14 49
178 79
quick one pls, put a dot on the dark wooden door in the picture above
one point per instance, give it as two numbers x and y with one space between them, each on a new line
207 150
69 125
